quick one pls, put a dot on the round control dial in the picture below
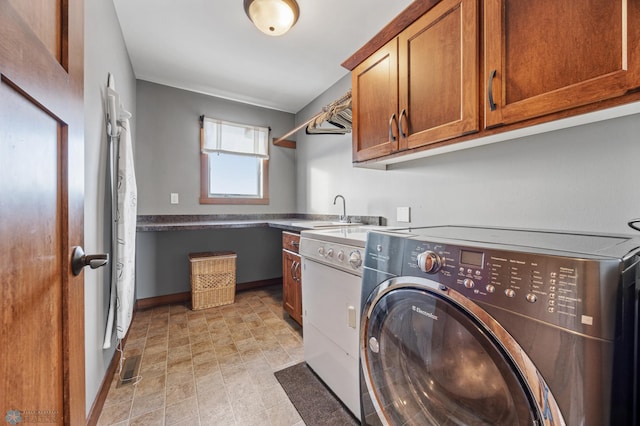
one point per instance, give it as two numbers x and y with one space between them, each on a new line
429 262
355 259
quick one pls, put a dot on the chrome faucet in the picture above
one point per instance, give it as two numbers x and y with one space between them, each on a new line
344 217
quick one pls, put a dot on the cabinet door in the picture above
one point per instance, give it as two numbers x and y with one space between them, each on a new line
546 56
291 290
297 292
375 103
438 74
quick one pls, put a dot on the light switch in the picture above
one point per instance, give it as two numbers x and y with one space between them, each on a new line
403 214
174 198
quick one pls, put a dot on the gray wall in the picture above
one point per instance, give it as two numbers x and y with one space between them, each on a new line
163 257
580 178
168 151
104 52
168 160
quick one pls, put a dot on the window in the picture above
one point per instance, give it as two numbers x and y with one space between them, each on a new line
234 165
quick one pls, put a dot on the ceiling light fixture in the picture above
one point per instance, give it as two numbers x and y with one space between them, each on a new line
272 17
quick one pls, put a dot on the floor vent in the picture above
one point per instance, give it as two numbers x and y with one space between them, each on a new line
129 373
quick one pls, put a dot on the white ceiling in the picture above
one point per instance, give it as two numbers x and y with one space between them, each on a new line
211 46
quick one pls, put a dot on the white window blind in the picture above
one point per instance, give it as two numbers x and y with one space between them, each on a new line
234 138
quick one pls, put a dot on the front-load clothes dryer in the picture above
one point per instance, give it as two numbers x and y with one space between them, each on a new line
473 326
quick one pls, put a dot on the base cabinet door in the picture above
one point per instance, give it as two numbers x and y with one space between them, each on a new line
291 276
547 56
291 285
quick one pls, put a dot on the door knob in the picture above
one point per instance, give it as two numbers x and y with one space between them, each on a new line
79 260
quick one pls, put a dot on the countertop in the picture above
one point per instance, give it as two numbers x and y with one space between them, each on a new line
286 222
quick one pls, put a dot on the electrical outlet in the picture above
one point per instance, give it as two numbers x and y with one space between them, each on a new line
174 198
403 214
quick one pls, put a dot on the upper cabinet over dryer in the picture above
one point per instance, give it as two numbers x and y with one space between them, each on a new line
451 71
545 56
422 86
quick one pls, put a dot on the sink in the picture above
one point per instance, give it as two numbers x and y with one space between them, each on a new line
322 224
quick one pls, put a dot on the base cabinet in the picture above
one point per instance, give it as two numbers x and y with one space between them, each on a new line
291 276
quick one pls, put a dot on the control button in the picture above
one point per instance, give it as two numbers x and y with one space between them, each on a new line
553 274
509 292
341 256
469 271
461 270
552 303
531 298
552 282
551 309
355 259
429 262
379 248
552 295
321 251
468 283
490 288
330 252
478 272
552 289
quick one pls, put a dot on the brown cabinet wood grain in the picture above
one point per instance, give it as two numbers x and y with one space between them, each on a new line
290 241
547 56
438 74
451 71
422 86
291 276
374 89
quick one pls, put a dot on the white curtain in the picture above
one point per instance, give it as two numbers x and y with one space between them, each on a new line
234 138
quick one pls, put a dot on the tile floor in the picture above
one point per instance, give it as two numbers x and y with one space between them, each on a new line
209 367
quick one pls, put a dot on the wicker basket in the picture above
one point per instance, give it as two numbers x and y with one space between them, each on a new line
213 279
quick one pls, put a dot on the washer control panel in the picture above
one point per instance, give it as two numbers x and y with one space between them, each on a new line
561 290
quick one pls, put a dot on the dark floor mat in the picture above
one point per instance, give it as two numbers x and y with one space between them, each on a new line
313 400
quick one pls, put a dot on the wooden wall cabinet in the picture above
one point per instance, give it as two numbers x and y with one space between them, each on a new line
546 56
422 86
291 276
419 84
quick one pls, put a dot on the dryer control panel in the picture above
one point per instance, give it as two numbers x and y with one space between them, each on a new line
569 292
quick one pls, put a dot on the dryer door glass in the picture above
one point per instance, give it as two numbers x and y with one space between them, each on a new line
429 362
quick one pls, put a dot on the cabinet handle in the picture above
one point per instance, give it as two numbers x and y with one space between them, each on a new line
297 269
391 120
292 269
293 244
492 105
400 131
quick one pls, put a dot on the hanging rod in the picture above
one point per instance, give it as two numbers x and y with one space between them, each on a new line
322 114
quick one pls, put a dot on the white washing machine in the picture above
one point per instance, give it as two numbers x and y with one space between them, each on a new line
476 326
